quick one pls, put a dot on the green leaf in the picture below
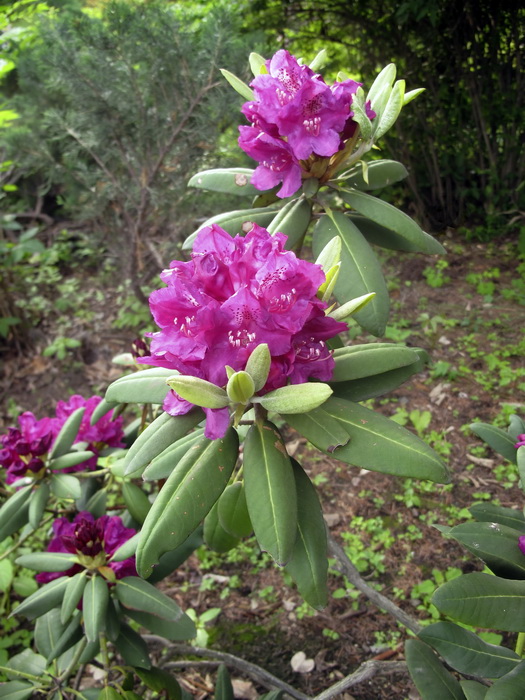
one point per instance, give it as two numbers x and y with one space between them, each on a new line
16 690
360 361
495 544
47 561
227 180
233 511
96 505
233 222
186 498
258 365
181 630
38 503
360 271
488 512
14 512
240 387
292 220
510 687
380 173
430 677
160 681
360 115
113 620
295 398
71 635
411 95
73 595
373 441
172 560
500 441
65 486
137 594
483 600
381 88
132 647
473 690
158 436
393 107
238 85
70 460
223 686
199 391
28 662
162 466
385 237
136 501
48 629
100 410
319 60
256 63
467 653
516 426
270 491
109 693
308 565
94 606
127 549
147 386
6 575
215 536
46 597
66 436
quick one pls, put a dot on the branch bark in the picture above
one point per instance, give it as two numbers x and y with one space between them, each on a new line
366 671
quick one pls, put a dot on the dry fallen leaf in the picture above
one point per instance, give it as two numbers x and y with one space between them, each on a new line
301 664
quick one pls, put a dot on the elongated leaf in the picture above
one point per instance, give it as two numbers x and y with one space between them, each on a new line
70 460
483 601
71 635
257 62
65 486
258 365
127 549
47 561
160 681
360 361
48 629
308 565
172 560
430 677
68 432
374 442
96 505
48 596
295 398
73 595
38 503
495 544
389 217
109 693
473 690
228 180
223 686
360 271
162 466
292 220
270 491
391 111
500 441
467 653
238 85
136 501
146 386
14 512
233 511
384 80
233 222
113 619
380 173
94 606
132 647
27 662
516 427
510 687
385 237
182 629
488 512
199 391
137 594
215 536
17 690
101 410
158 436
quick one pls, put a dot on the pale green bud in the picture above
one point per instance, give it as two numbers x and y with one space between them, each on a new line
240 387
199 391
258 366
295 398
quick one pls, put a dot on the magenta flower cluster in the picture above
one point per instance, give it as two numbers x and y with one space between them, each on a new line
94 541
234 294
520 441
24 449
295 116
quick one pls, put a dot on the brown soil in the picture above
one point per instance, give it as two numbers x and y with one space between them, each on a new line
270 629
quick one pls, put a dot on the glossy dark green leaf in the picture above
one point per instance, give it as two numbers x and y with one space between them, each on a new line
500 441
132 647
68 432
186 498
358 361
467 653
308 565
14 512
96 505
483 600
146 386
127 549
162 466
65 486
233 511
38 503
136 501
71 635
430 677
47 597
228 180
215 536
234 222
158 436
159 680
113 619
223 686
495 544
391 240
47 561
488 512
16 690
510 687
360 270
73 595
181 630
270 491
137 594
292 220
172 560
48 629
380 173
94 605
26 662
473 690
374 441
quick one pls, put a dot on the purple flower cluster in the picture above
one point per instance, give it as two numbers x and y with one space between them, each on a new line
24 449
235 294
94 541
297 120
520 441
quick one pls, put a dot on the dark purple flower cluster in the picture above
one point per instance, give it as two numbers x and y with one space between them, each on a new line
297 120
520 441
94 541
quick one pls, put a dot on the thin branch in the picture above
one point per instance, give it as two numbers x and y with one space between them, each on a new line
367 670
352 574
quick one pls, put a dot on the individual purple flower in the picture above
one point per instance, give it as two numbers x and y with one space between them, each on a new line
233 295
104 433
520 441
24 449
521 543
94 541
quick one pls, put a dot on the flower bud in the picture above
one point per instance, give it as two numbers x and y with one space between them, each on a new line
199 391
240 387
